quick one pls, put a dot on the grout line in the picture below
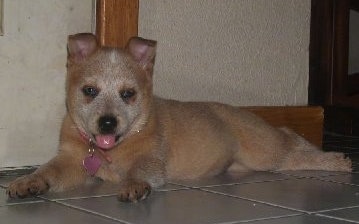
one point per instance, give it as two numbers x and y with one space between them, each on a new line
219 185
243 183
269 218
175 188
257 201
91 212
337 182
280 206
23 203
336 218
239 183
298 176
60 203
337 209
75 198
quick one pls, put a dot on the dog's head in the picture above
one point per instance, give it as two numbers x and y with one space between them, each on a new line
109 90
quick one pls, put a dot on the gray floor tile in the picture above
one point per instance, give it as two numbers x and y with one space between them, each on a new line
4 200
300 219
352 178
234 178
311 173
170 187
4 181
350 214
96 189
305 194
182 206
47 212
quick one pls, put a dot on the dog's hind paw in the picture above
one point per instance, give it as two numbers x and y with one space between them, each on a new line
317 160
335 161
344 163
133 191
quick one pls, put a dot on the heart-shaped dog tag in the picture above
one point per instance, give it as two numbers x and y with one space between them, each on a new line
92 163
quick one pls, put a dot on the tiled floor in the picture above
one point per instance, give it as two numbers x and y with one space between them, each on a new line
256 198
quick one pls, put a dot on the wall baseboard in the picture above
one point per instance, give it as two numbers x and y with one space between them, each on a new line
17 171
306 121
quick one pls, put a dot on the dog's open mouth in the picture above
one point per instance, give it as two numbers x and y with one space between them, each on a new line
106 141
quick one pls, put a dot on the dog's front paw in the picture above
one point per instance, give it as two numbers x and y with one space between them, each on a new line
25 186
133 191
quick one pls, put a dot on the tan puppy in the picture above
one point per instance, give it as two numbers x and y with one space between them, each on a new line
115 129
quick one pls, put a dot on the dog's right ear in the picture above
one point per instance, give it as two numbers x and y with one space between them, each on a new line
80 46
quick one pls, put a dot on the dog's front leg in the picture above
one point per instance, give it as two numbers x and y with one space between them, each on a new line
60 173
142 176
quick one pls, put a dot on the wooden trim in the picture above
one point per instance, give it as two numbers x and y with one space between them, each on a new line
116 21
305 121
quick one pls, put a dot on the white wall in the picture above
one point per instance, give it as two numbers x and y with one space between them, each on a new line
32 62
242 52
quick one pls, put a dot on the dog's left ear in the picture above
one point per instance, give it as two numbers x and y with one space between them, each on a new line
142 51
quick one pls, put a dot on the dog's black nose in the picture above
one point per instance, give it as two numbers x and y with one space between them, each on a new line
107 124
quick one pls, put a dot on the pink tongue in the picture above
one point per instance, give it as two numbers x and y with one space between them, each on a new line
105 141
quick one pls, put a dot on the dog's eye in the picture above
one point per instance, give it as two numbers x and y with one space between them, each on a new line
127 94
90 91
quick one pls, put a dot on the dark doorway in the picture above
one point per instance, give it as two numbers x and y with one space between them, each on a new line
334 63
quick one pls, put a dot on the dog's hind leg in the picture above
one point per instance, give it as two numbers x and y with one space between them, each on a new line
305 156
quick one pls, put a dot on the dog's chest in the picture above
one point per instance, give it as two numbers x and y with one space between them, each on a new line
110 172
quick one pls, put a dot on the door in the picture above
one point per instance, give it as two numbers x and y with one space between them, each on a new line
334 62
116 21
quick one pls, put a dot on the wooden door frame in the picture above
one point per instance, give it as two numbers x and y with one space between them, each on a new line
329 82
117 21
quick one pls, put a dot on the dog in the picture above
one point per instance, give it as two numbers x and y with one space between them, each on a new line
117 130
